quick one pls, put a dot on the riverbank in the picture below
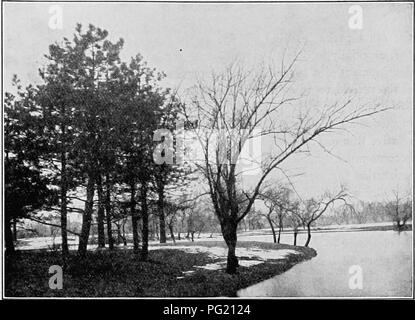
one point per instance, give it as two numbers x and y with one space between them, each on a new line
190 269
376 226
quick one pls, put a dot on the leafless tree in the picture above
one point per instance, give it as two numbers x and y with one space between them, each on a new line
313 209
238 106
277 200
172 211
295 219
270 219
400 210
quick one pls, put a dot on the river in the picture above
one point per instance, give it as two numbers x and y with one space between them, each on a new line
348 264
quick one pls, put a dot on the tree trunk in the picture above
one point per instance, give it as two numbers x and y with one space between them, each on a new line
178 235
119 236
162 220
64 209
172 233
8 237
280 227
124 238
87 217
144 213
156 229
14 229
308 235
64 188
274 237
101 214
108 212
229 234
295 237
134 219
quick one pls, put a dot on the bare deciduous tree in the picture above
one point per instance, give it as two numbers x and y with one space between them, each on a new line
277 200
314 209
238 106
400 210
295 220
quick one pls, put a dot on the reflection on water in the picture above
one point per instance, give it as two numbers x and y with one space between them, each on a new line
385 258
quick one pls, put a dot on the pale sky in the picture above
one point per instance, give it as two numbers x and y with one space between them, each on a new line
187 41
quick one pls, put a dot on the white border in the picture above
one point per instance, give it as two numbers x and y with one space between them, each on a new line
2 287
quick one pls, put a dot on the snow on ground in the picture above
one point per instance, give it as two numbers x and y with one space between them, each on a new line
37 243
255 255
49 242
222 252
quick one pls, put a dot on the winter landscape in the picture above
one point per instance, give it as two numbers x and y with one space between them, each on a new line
207 150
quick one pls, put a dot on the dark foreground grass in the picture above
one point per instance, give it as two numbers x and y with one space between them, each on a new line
120 273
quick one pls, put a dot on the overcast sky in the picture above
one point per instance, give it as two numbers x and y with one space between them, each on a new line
187 41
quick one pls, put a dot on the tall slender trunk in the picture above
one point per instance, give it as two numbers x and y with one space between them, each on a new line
190 227
156 229
172 233
160 204
64 209
229 234
134 219
14 229
308 234
108 211
144 213
295 237
280 227
8 236
87 217
274 237
64 186
119 236
123 234
101 213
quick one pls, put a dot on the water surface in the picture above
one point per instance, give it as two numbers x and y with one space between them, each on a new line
384 258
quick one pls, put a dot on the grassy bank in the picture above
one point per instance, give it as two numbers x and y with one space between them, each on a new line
121 273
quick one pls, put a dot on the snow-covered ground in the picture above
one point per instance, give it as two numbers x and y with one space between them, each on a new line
255 255
49 242
37 243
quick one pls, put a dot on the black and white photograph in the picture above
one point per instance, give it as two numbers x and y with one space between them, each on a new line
244 150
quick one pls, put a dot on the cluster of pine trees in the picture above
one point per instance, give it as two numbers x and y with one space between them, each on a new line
88 127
